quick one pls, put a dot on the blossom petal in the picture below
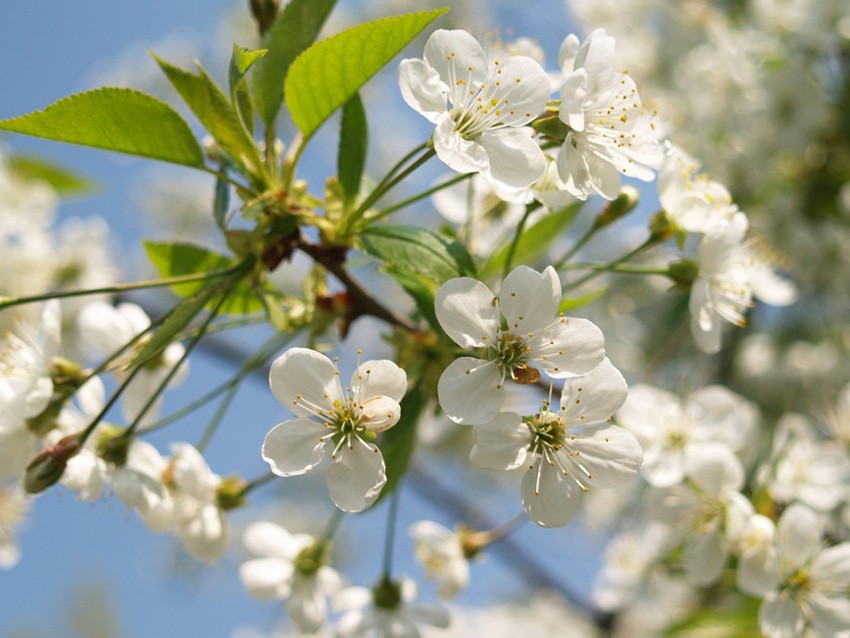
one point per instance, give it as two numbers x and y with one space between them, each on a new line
306 604
714 468
529 299
457 152
780 617
357 476
605 455
377 378
798 535
422 88
593 397
304 381
380 413
267 539
514 158
550 499
266 578
525 84
470 390
568 347
831 614
456 55
294 447
833 565
501 444
705 557
433 615
467 313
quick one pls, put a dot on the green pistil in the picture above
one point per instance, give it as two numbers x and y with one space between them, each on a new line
510 353
548 431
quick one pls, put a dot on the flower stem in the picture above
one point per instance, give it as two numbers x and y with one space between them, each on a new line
389 541
332 525
6 302
258 482
391 209
509 259
613 265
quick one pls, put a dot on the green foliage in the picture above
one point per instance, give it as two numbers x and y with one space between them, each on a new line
534 241
398 443
240 62
737 621
172 259
295 29
330 72
176 321
113 119
569 304
214 110
417 250
353 143
62 179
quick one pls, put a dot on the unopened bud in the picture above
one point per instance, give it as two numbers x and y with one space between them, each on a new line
661 227
312 558
264 11
625 203
48 466
230 493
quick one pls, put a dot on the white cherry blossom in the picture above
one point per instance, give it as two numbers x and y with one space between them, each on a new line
13 508
480 107
290 567
344 424
732 270
441 553
671 430
609 132
471 389
565 452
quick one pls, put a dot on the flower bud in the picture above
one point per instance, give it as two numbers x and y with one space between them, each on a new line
625 203
264 11
661 227
48 466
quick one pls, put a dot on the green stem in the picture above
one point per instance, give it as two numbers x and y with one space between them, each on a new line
332 526
650 241
221 174
501 531
509 260
139 285
217 418
577 246
631 269
391 209
258 482
387 184
118 392
189 347
389 541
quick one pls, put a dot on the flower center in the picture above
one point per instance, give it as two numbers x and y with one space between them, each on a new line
511 355
548 431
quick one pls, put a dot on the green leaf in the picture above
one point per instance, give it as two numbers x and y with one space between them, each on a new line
63 180
213 109
172 259
416 250
240 62
330 72
294 29
113 119
569 304
221 202
535 240
180 317
421 290
398 443
353 142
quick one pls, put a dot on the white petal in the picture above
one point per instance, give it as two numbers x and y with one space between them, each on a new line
798 535
514 158
832 565
705 324
294 447
380 413
458 153
266 578
530 299
357 476
433 615
714 468
568 347
550 499
470 391
467 311
267 539
207 535
608 455
456 55
377 378
663 467
573 92
422 88
593 397
757 572
304 373
705 557
830 615
91 396
779 617
501 444
306 604
771 288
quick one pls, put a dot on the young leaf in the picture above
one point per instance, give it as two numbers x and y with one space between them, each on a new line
398 443
175 258
353 142
178 319
330 72
213 108
63 180
568 304
240 61
114 119
534 240
221 203
294 29
417 250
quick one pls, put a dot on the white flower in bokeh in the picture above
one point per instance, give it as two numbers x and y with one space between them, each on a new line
471 389
609 132
25 204
441 553
732 271
566 452
13 508
290 567
671 430
345 423
480 107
